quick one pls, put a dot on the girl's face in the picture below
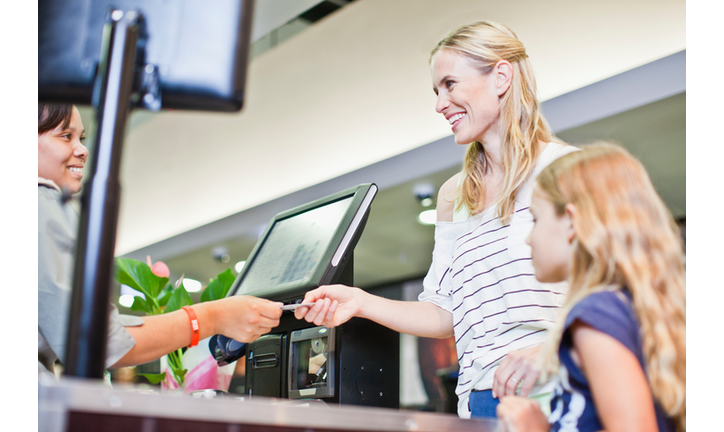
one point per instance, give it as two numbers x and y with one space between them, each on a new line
62 155
551 240
468 99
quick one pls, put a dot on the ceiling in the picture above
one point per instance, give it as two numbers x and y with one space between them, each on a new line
642 106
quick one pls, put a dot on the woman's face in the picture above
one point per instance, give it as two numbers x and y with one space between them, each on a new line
551 240
467 98
62 155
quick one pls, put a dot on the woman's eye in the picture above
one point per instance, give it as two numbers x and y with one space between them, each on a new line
449 84
82 138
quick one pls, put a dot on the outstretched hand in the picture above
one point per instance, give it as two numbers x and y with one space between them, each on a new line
517 367
245 318
335 305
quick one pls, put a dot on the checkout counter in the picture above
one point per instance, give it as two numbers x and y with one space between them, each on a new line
73 404
298 376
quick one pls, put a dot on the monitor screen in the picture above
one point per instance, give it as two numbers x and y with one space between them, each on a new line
294 246
305 247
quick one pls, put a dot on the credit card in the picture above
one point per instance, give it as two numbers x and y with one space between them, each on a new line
295 306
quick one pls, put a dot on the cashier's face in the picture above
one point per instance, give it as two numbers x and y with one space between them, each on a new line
62 155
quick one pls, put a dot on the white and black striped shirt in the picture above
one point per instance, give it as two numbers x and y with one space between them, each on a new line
482 273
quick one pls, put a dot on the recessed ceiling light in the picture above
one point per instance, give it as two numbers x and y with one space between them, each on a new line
192 285
428 217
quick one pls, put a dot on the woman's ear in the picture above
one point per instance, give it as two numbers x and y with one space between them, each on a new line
503 76
569 212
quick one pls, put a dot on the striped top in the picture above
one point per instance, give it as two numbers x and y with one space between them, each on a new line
482 273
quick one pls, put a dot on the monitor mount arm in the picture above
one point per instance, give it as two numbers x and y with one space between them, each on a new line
123 82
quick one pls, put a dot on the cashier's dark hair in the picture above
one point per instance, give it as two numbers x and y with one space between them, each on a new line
50 116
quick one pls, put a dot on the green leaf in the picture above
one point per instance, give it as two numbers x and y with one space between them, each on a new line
154 378
165 294
219 287
180 375
139 276
140 305
179 299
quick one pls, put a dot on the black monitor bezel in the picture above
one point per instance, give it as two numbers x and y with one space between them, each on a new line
357 213
69 49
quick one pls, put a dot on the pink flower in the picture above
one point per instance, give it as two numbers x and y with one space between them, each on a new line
160 269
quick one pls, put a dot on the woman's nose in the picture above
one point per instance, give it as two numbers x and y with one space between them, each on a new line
81 151
442 103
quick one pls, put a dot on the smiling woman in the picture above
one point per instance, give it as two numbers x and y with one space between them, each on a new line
61 153
480 286
131 340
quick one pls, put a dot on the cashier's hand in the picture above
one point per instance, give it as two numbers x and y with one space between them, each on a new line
517 414
335 305
518 366
245 318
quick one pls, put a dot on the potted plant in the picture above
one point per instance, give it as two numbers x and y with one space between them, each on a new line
187 368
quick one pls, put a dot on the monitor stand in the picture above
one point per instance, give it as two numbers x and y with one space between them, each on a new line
366 360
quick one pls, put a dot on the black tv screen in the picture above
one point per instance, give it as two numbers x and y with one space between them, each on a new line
306 247
200 48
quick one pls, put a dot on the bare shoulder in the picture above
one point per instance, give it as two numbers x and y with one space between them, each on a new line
446 199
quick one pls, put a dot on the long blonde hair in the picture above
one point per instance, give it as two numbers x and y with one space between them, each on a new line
625 236
486 43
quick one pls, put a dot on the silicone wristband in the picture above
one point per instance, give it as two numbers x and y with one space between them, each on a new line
194 326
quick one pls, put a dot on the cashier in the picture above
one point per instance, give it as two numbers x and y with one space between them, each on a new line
131 340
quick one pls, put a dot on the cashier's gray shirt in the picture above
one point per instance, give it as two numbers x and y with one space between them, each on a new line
57 225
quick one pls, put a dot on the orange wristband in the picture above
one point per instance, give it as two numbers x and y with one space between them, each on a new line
194 326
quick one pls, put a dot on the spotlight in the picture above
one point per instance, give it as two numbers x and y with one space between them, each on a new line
424 193
221 253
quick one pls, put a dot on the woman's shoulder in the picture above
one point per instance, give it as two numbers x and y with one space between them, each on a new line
446 198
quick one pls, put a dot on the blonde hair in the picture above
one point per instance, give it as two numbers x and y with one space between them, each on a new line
486 43
625 236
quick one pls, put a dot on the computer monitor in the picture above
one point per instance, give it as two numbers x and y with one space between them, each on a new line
306 247
200 48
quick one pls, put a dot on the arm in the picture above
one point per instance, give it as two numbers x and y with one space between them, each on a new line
336 304
620 389
243 318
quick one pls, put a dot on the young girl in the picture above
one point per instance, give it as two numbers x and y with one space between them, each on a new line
621 349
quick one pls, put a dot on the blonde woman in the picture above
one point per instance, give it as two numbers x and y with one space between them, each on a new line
620 345
480 287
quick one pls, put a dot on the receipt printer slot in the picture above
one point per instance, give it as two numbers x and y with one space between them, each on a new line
264 360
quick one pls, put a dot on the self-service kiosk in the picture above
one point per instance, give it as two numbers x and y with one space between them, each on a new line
311 245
